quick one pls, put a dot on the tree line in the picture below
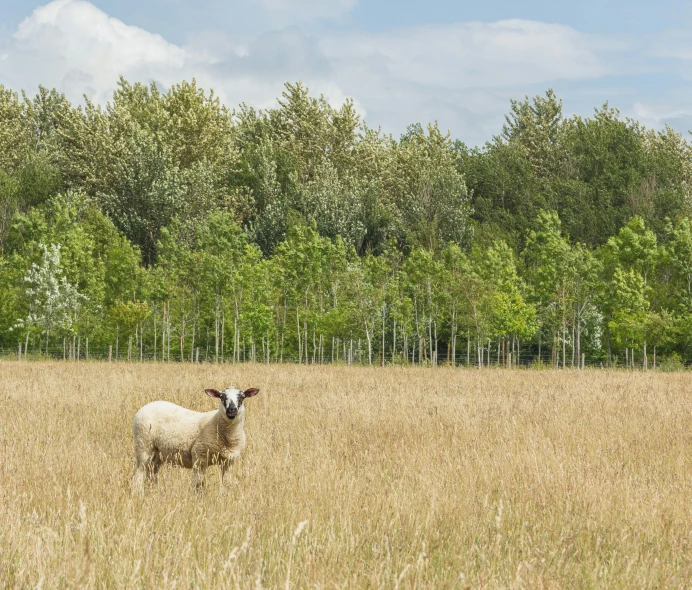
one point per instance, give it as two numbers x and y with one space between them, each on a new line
165 225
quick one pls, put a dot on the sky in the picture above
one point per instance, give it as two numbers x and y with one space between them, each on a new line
455 62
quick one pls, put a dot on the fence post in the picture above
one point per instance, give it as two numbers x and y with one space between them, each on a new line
19 353
509 360
583 359
197 355
87 348
110 353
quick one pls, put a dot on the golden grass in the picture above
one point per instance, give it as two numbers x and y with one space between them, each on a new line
407 478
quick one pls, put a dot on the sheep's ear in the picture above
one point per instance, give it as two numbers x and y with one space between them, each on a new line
253 391
212 393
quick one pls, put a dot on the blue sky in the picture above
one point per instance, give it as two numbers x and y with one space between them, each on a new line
402 62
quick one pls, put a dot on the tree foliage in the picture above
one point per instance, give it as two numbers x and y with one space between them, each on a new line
168 224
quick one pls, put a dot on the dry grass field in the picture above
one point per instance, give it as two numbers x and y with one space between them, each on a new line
409 478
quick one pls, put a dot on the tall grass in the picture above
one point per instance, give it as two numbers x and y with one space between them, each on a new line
353 477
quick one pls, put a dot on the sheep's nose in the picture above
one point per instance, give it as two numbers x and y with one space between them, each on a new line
232 413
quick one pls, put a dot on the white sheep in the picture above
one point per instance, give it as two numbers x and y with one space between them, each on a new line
168 433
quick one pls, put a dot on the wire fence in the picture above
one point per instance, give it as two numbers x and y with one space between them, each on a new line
355 357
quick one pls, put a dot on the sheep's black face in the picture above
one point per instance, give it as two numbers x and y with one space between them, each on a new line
232 400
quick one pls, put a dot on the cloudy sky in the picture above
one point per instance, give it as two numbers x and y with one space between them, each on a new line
454 61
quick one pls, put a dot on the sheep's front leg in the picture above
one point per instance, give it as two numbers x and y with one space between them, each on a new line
198 477
226 475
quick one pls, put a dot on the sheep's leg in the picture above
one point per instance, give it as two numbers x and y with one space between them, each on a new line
226 475
138 479
198 477
153 471
146 467
143 470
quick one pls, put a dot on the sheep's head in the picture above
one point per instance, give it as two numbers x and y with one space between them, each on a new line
231 399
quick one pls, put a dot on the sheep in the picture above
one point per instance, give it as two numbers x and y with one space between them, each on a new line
167 433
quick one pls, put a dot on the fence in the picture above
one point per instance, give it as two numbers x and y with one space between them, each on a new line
484 358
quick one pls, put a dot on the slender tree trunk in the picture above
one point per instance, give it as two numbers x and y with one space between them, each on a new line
468 348
454 342
163 334
384 312
579 334
539 346
436 345
393 340
610 355
367 335
300 346
223 334
236 336
216 335
192 344
646 360
314 346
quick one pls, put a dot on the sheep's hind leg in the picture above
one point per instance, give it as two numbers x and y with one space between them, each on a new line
138 478
153 468
142 471
146 467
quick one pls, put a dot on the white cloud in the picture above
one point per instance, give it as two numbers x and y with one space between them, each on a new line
462 74
673 44
655 115
308 9
74 46
466 55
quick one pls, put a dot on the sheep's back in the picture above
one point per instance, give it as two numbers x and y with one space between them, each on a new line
169 429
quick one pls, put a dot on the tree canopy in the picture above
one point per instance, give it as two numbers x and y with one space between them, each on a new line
165 224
